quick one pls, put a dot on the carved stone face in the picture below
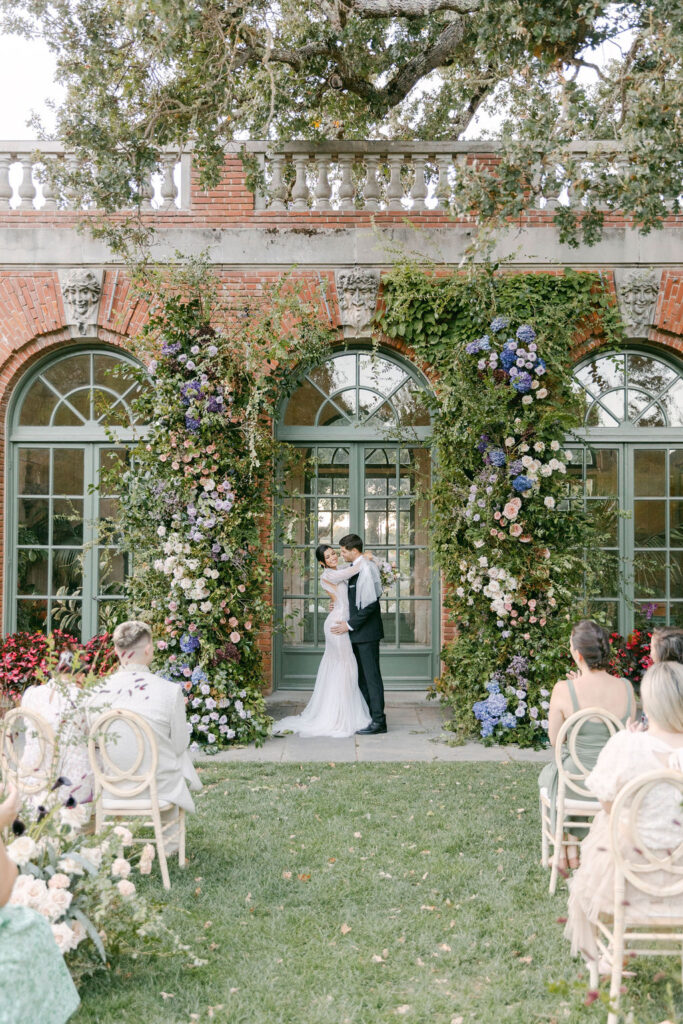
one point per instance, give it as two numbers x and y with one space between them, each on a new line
357 291
82 292
638 295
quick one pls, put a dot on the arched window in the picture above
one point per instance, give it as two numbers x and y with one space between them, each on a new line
633 463
69 420
359 421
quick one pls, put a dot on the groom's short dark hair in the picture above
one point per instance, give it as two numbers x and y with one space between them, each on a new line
351 541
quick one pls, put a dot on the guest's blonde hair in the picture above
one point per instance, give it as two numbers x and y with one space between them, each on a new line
129 635
662 690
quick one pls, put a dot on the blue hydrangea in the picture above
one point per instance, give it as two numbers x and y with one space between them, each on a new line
508 358
191 423
472 348
526 334
522 483
540 366
492 686
487 727
497 457
198 675
522 383
484 344
508 720
189 643
499 324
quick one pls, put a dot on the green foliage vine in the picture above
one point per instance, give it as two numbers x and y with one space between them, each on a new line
506 534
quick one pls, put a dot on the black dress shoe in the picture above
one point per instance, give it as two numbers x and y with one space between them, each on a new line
371 730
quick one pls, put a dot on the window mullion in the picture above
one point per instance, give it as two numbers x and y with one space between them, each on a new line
91 454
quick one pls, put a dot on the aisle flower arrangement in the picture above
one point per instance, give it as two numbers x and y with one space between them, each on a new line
195 502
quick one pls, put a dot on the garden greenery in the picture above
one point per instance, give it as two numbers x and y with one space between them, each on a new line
508 537
195 500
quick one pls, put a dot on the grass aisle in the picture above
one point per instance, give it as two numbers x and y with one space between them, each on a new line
365 894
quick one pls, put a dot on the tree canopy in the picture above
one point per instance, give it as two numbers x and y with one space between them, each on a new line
141 75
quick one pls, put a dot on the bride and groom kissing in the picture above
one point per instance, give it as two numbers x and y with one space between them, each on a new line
348 696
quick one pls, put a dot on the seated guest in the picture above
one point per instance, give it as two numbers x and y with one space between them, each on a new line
626 756
161 703
667 645
35 984
60 703
591 686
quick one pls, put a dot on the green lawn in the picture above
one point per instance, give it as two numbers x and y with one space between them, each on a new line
365 894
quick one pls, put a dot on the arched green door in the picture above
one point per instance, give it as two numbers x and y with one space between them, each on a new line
632 464
360 423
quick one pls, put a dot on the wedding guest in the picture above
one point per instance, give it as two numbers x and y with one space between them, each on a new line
35 984
60 703
667 644
161 703
591 686
626 756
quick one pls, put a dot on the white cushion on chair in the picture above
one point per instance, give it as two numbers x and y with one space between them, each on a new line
132 805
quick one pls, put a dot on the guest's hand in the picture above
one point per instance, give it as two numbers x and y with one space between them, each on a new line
640 726
340 628
10 806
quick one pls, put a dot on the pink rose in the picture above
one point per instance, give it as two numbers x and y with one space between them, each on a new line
542 622
192 627
527 636
514 614
175 465
235 637
232 621
508 606
496 515
494 533
173 606
526 539
532 618
515 530
241 588
162 645
532 603
162 458
247 624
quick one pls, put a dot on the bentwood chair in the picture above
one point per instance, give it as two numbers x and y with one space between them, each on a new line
123 757
27 752
658 874
570 808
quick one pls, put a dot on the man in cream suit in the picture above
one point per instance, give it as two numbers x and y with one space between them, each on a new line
161 703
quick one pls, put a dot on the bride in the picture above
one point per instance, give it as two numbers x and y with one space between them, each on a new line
337 707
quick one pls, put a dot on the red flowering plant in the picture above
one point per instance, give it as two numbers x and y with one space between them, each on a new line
630 657
26 658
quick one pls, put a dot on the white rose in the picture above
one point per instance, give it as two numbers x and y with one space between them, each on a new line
64 937
70 866
57 903
79 932
59 881
478 543
568 456
541 393
161 531
125 835
527 399
527 461
125 887
208 485
483 561
545 471
534 384
185 583
555 445
460 592
159 565
524 447
549 502
74 817
22 850
509 441
121 868
93 854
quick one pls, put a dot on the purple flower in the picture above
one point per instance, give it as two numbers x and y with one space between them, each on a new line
522 383
215 403
170 348
472 348
522 483
190 392
482 445
497 457
191 423
189 643
526 333
507 357
499 324
515 467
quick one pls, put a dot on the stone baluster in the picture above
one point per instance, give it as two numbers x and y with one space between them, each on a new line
371 186
395 185
146 192
300 192
169 191
27 190
418 192
70 191
346 188
443 187
535 181
278 191
5 187
322 185
49 194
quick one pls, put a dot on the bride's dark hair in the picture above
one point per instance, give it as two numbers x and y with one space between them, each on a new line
320 552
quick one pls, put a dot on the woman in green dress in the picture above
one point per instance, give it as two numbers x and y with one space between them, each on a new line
35 984
591 686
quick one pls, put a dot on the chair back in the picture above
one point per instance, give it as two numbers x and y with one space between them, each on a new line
635 858
123 755
568 740
27 751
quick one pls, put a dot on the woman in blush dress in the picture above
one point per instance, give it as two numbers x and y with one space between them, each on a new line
337 707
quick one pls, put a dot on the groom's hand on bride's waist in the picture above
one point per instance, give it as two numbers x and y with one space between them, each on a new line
340 628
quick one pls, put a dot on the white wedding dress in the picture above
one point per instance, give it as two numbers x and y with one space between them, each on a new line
337 708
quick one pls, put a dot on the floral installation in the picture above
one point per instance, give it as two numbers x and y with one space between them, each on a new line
518 535
84 885
28 658
195 503
630 656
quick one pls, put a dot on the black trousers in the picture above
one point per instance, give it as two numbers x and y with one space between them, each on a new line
370 678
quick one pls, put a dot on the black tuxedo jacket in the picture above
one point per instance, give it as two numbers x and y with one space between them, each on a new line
366 623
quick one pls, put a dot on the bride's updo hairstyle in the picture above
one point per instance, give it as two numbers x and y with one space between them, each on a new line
662 691
592 643
320 553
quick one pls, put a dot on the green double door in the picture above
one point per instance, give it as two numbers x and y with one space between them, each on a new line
372 489
635 492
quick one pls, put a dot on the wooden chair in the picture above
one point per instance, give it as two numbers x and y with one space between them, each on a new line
570 810
27 752
131 792
635 863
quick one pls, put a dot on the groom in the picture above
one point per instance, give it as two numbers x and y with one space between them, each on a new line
366 631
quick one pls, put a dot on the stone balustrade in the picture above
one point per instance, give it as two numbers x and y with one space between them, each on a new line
309 176
25 185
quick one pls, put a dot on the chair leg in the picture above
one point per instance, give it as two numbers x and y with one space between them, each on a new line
181 837
161 849
545 845
593 974
617 967
557 850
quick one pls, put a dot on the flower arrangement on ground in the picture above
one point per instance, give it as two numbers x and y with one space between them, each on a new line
195 502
